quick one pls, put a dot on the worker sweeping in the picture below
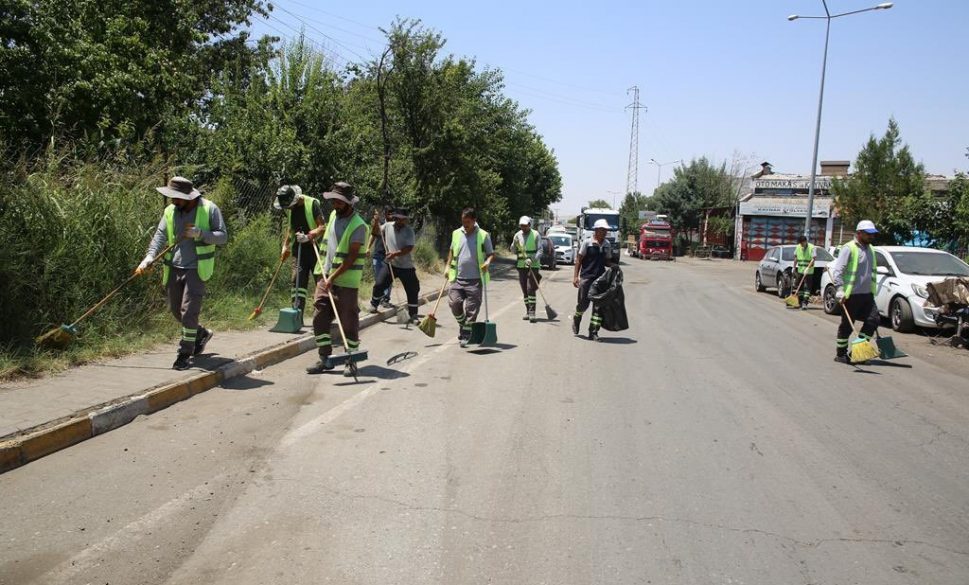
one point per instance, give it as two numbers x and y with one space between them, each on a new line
399 239
806 254
377 253
595 254
526 244
854 274
469 261
195 226
304 222
345 239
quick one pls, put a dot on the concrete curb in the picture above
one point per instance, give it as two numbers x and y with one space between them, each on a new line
31 444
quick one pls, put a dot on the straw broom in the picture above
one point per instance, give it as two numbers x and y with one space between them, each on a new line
862 350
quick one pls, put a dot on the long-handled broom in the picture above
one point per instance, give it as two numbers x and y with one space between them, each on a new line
428 324
258 310
792 300
549 311
862 350
349 357
61 337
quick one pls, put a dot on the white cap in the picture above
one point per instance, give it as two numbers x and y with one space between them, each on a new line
600 224
866 225
524 220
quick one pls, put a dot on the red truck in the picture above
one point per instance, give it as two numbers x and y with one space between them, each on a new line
656 240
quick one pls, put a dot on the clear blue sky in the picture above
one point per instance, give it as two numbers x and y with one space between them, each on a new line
720 78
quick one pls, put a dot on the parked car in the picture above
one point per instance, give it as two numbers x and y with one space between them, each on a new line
777 268
903 273
564 250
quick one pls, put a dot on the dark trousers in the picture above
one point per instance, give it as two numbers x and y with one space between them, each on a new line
303 266
861 307
407 277
529 287
185 293
583 303
378 265
806 286
345 300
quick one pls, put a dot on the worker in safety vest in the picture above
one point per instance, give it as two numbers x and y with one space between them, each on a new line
468 262
854 274
304 220
805 254
527 245
345 246
595 254
195 225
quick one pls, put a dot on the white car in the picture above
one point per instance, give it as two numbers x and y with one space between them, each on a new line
564 250
903 273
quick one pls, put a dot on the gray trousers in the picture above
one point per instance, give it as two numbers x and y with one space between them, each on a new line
345 300
185 293
464 298
529 286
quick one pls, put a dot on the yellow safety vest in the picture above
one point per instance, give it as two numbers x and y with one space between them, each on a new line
851 272
354 274
456 237
531 248
204 252
804 257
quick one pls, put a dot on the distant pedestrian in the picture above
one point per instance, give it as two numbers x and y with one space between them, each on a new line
469 261
345 241
527 245
595 254
400 240
306 226
196 226
805 253
854 274
377 252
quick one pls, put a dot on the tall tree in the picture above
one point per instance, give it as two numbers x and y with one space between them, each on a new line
600 204
694 188
632 204
887 187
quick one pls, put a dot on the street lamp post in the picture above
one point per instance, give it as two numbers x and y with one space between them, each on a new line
828 17
659 168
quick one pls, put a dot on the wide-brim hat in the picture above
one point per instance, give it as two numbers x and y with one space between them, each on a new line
343 192
287 192
179 188
399 213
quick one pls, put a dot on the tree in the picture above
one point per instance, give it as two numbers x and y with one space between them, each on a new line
694 188
632 204
887 187
600 204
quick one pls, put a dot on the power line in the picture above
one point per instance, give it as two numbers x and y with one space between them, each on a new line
297 17
562 97
333 54
330 25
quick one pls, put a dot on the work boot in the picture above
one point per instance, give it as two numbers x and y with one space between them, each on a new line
526 316
202 338
373 309
319 367
349 370
182 362
841 359
593 335
531 317
385 303
576 320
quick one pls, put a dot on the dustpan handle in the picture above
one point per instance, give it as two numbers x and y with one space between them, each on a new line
484 284
299 271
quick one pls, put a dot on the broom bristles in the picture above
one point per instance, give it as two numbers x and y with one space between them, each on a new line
428 325
791 301
863 351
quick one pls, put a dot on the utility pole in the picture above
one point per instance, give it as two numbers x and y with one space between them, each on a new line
632 174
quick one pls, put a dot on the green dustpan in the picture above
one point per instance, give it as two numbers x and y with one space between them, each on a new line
887 349
290 321
484 334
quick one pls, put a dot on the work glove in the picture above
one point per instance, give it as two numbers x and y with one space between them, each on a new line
303 238
840 296
144 265
192 232
528 263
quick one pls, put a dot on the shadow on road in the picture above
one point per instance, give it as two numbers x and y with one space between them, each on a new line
617 340
245 383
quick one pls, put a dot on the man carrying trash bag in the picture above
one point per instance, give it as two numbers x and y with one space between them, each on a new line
609 300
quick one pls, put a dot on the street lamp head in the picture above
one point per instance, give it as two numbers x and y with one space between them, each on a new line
793 17
653 160
884 6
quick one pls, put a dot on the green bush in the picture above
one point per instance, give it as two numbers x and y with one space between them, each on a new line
425 254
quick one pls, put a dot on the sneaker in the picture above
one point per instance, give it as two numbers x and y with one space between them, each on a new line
202 340
386 304
463 341
804 307
182 362
532 318
525 317
319 368
841 359
373 309
350 370
415 320
593 336
575 324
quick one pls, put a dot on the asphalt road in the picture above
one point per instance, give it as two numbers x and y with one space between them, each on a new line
714 442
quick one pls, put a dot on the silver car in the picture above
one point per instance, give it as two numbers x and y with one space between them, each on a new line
777 268
564 250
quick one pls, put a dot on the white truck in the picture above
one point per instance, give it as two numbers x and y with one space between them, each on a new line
588 216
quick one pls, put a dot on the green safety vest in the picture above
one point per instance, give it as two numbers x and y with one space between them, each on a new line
456 237
353 275
308 210
804 257
531 248
851 272
204 252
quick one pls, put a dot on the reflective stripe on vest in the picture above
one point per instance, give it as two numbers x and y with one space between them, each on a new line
354 274
531 248
205 253
804 257
457 236
851 272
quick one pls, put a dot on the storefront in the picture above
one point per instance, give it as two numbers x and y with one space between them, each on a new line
774 214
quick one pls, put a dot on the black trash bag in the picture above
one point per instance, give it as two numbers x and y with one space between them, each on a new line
607 295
